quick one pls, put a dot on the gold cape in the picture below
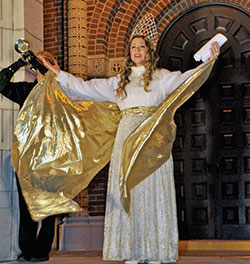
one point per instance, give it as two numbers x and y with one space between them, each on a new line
60 145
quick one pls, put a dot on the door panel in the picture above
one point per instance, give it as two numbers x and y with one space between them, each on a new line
212 147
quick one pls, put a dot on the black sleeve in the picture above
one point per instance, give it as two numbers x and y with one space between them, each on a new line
247 65
15 91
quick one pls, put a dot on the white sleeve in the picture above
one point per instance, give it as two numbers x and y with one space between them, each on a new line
99 90
172 80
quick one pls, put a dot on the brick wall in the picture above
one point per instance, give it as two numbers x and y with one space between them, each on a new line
109 23
55 30
97 193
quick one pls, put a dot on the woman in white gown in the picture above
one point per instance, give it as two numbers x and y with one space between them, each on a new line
150 231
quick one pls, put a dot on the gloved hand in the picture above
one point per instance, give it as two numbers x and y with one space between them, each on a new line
21 62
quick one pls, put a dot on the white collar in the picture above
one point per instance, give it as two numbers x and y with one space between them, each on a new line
138 70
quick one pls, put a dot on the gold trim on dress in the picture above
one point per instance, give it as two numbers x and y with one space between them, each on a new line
139 110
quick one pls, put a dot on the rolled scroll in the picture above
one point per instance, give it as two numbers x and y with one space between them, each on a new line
204 52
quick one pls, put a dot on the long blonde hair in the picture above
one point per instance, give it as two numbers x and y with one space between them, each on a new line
150 66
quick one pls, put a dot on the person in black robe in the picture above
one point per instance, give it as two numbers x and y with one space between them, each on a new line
35 245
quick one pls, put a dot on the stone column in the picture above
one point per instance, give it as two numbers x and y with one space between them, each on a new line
77 227
78 44
79 231
78 41
17 20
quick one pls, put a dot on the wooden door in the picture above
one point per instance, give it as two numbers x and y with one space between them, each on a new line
212 147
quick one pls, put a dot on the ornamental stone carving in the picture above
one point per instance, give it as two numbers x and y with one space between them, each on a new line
103 66
78 43
96 66
115 66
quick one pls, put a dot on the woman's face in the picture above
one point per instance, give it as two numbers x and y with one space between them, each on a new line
138 50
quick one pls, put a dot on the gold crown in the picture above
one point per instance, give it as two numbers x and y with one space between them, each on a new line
146 27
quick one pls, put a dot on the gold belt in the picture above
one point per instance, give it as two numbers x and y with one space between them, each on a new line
140 110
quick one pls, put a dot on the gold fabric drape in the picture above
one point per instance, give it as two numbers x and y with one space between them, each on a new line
59 145
150 144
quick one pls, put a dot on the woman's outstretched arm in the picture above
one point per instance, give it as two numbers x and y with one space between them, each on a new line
99 90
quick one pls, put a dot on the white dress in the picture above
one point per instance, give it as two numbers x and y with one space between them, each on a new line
150 232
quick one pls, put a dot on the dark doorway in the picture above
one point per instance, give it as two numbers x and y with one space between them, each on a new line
212 147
